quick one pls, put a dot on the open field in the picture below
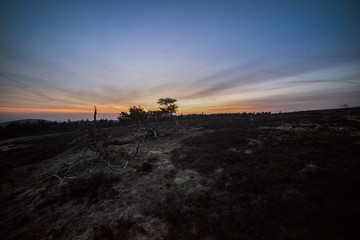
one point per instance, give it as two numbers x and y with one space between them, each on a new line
266 176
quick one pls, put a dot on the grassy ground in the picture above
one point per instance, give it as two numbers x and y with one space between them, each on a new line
288 176
282 176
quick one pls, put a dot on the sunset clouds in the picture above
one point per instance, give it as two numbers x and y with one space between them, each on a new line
213 56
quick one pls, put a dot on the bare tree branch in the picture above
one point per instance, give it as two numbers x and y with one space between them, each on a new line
116 141
137 149
116 168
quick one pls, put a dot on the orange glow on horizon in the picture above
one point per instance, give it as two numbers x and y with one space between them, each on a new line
109 110
48 110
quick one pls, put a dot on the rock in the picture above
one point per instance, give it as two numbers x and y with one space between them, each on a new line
153 156
248 152
198 189
309 169
185 176
254 142
292 196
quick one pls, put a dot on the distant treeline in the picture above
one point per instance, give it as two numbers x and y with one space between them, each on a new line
40 127
16 129
190 116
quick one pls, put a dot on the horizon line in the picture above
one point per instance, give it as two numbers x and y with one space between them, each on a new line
182 114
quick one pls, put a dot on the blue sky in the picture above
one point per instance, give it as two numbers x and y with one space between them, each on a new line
59 58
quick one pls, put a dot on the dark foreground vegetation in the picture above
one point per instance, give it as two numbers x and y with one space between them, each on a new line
41 127
288 176
247 176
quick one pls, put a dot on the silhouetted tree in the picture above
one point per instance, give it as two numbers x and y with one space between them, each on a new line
135 114
167 105
123 118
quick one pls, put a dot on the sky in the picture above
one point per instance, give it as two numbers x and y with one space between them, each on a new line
60 58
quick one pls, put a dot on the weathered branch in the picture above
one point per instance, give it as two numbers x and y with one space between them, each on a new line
58 177
61 179
116 168
116 141
137 149
102 150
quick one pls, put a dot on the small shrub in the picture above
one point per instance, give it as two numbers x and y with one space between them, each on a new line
124 154
95 188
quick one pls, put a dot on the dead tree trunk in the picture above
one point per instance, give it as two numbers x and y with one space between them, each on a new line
95 112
